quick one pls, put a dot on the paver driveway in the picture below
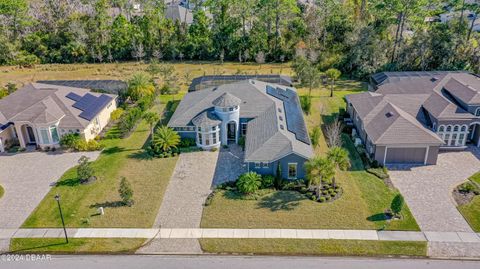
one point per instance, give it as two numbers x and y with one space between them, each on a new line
427 189
27 178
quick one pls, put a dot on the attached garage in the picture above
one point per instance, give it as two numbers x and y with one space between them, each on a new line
405 155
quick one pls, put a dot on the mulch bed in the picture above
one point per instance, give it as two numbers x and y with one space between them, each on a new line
462 198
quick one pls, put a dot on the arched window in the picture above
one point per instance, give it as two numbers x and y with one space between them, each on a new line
464 128
456 128
441 128
477 112
449 128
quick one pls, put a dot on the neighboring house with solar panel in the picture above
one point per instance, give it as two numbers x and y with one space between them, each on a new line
408 117
40 114
268 116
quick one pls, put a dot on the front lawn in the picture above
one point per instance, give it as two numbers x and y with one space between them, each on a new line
121 157
361 206
471 211
314 247
75 245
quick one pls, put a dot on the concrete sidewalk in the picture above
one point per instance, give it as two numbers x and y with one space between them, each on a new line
196 233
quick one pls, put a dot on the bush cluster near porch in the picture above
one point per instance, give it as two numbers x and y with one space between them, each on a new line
120 158
362 205
471 210
314 247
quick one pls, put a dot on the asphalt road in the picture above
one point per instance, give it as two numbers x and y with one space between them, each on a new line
230 262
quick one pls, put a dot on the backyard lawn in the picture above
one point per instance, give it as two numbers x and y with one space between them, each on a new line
121 157
471 211
314 247
362 205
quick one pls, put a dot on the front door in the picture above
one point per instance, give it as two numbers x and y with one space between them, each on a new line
31 135
231 132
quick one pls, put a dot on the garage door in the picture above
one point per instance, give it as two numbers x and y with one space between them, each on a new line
405 155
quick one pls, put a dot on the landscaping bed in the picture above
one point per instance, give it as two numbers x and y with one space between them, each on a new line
314 247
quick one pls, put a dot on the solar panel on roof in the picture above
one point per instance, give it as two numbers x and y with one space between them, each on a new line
73 96
85 101
293 112
95 107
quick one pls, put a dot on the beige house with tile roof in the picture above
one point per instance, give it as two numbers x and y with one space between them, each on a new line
40 114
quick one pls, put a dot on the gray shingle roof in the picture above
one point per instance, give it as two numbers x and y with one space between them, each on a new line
267 136
227 100
206 119
42 103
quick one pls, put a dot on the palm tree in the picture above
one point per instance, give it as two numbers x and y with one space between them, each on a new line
319 169
166 139
339 157
140 85
333 74
151 118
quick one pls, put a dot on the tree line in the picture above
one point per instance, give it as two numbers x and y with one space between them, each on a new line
358 37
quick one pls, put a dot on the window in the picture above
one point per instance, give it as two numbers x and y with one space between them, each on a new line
292 170
244 128
199 129
207 141
477 112
109 105
441 128
456 128
464 128
45 137
454 140
265 165
257 165
461 140
214 139
200 138
54 133
449 128
446 139
214 128
434 125
230 109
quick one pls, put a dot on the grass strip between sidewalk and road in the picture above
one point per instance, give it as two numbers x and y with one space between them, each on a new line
75 245
329 247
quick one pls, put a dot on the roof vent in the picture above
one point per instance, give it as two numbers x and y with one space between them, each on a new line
389 114
433 79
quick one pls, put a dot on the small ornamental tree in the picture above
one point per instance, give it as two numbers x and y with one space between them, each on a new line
278 177
397 204
249 183
84 169
333 74
126 192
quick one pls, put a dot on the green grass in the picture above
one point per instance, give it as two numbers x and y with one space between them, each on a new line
121 157
475 178
75 245
471 212
361 206
314 247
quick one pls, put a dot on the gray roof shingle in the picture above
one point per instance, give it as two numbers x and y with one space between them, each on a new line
267 136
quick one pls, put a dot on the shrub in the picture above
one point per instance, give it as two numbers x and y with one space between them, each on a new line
69 141
466 187
381 172
267 181
397 204
129 120
187 142
126 192
166 140
278 177
241 142
315 136
322 199
306 103
84 169
249 183
140 85
146 102
116 114
82 145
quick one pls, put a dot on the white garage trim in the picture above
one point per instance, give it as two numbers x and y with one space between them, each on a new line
426 155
